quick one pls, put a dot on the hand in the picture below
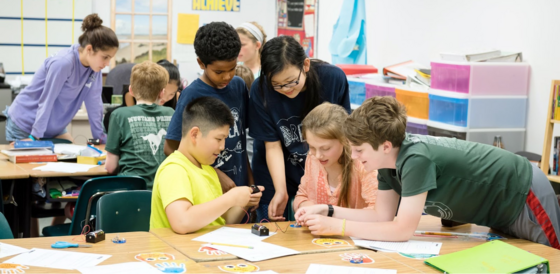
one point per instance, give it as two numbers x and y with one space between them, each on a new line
302 212
240 195
171 267
255 198
321 225
211 251
277 206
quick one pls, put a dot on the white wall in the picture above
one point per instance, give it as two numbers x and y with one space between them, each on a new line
328 14
418 30
261 11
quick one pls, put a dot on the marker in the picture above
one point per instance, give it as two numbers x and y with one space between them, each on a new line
96 149
241 246
102 162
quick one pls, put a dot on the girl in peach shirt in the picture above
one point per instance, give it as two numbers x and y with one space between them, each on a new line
331 177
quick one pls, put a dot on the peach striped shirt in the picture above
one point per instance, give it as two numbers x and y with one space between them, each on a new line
315 187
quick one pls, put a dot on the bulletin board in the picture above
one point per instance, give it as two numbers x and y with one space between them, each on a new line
297 18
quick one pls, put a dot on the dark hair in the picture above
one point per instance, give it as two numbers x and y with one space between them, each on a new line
96 35
217 41
206 113
172 70
284 51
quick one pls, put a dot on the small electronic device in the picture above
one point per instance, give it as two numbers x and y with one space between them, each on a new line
259 230
94 141
95 236
255 189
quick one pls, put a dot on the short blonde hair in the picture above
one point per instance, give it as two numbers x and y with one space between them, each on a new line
377 120
246 74
147 80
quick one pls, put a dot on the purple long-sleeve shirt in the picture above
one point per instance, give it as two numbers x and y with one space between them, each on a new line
50 102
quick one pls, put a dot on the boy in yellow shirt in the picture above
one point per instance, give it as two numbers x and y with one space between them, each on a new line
187 194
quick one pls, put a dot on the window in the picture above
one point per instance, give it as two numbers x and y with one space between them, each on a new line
143 29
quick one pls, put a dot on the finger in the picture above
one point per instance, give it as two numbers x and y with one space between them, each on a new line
261 188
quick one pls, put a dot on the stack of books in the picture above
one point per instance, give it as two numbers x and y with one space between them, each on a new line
482 56
31 151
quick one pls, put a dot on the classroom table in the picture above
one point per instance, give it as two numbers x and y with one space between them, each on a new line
300 263
9 170
299 239
136 243
450 245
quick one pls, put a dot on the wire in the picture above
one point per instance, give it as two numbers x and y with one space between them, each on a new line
248 216
277 226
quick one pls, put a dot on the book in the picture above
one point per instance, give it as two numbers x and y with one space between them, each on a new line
490 257
469 56
402 70
33 158
18 145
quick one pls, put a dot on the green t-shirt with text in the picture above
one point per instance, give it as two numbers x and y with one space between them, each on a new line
466 182
136 135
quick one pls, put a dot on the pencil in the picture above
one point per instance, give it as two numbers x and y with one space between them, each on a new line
242 246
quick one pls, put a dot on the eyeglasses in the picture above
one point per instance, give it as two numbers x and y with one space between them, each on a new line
288 85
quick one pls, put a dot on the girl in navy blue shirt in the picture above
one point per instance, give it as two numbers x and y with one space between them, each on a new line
290 86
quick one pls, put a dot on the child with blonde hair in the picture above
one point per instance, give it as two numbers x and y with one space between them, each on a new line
331 176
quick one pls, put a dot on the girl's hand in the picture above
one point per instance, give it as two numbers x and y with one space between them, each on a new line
277 206
302 213
321 225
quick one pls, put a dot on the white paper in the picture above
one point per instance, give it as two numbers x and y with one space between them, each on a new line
9 250
124 268
309 24
58 259
228 235
261 251
265 272
333 269
68 149
65 167
409 247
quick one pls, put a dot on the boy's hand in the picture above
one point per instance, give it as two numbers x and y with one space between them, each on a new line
240 195
303 213
321 225
256 197
277 206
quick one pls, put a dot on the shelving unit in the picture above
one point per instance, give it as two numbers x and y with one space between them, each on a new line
549 131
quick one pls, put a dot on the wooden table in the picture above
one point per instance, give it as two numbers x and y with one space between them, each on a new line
9 170
300 263
136 243
450 245
299 239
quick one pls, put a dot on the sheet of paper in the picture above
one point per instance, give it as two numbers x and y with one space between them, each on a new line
68 149
187 25
9 250
309 24
409 247
228 235
265 272
124 268
58 259
64 167
261 251
333 269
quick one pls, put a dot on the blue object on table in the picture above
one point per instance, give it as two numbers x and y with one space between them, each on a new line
34 144
96 149
61 244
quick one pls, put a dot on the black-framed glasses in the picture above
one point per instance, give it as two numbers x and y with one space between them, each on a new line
288 85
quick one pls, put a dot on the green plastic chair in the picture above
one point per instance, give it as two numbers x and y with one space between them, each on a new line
89 189
5 230
124 211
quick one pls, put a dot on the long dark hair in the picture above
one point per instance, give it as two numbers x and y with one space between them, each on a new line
284 51
97 35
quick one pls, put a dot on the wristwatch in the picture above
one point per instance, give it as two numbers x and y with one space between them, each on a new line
331 210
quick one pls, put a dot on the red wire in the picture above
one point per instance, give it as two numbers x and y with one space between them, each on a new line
82 234
248 216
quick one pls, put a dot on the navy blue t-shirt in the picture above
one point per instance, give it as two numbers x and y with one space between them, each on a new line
233 159
281 120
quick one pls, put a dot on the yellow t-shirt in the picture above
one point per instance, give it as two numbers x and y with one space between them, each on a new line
177 177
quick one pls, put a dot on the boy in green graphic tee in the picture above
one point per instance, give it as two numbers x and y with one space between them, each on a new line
136 134
453 179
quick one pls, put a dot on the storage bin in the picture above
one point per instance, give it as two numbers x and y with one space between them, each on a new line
417 102
357 90
379 90
481 78
478 111
416 126
512 138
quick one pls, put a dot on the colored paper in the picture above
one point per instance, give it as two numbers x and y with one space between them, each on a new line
187 25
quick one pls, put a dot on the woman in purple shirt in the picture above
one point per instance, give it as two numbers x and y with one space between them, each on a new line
60 86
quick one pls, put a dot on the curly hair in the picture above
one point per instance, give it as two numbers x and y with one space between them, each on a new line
217 41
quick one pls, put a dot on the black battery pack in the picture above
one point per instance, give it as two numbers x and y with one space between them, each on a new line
95 236
259 230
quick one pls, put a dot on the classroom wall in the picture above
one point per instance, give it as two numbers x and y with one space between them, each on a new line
410 29
58 29
329 10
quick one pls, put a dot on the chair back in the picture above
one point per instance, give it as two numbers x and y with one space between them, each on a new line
124 211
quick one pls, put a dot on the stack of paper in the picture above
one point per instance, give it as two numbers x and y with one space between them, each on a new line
408 247
57 259
9 250
65 167
242 243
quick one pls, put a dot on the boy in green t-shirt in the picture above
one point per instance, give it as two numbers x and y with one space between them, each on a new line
136 134
187 194
453 179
